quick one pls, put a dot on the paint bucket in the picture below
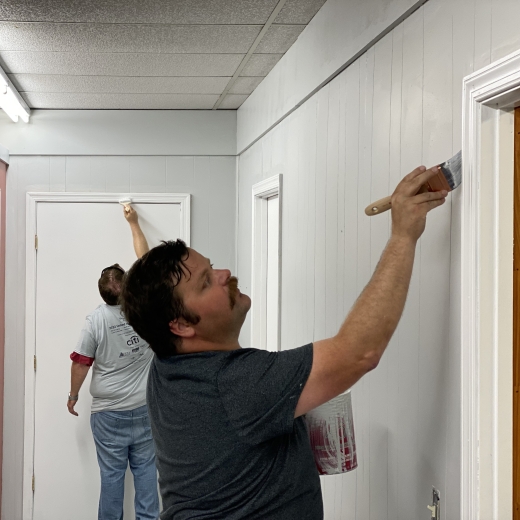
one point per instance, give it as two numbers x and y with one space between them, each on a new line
331 433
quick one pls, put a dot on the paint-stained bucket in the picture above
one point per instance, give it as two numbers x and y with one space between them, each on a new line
331 432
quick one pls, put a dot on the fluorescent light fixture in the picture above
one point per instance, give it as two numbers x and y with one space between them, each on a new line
10 100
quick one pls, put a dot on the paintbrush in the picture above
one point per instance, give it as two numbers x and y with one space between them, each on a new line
125 202
448 178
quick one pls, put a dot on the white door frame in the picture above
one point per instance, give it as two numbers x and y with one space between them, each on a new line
33 199
486 281
261 192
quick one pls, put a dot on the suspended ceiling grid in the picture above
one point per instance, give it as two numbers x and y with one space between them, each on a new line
145 54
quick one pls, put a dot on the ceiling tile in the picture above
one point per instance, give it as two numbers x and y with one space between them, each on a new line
260 64
124 64
143 54
140 11
279 38
120 84
245 85
120 101
299 11
232 101
72 37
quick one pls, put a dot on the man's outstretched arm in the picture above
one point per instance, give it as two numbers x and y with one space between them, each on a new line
78 373
356 349
140 243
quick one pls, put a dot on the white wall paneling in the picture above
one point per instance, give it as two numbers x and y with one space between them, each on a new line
395 348
290 249
122 132
483 11
306 156
504 31
379 233
395 107
486 295
319 246
342 31
339 33
262 192
435 390
211 181
352 145
362 249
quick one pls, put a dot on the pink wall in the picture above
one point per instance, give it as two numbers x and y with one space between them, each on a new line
3 173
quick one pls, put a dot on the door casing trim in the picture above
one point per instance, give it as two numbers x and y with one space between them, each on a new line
486 275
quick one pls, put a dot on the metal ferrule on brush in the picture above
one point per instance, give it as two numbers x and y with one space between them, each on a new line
451 172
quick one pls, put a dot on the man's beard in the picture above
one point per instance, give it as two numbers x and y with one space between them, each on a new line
233 288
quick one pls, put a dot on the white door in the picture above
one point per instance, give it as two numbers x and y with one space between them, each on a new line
272 289
75 242
265 273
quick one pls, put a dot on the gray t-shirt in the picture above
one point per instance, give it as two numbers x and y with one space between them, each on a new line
121 360
227 444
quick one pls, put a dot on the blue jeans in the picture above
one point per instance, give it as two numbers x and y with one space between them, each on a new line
124 437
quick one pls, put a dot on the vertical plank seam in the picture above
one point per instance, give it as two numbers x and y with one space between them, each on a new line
369 157
450 319
388 232
400 169
357 222
420 343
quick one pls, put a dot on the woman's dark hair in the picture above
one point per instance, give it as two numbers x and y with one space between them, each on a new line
109 284
149 300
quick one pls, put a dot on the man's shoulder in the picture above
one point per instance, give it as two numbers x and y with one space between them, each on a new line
95 313
98 310
253 353
204 365
249 361
105 315
215 363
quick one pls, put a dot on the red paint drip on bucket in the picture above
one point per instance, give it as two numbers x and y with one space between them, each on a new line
331 433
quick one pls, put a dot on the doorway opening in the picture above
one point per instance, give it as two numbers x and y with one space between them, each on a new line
267 198
485 280
70 238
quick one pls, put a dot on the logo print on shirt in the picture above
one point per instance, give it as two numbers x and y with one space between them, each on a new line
132 341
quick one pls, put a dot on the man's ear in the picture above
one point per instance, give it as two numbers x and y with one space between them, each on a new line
182 328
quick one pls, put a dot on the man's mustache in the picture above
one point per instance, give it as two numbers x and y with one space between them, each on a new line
233 288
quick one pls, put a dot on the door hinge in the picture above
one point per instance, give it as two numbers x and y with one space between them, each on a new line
36 242
33 483
435 508
35 363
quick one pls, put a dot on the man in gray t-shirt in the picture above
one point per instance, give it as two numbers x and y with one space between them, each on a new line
119 420
228 425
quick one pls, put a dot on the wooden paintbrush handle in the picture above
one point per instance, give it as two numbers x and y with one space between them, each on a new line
379 206
382 205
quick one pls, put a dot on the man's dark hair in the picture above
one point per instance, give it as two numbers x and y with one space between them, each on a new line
109 284
149 300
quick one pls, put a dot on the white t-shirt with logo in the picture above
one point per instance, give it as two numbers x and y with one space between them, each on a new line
121 360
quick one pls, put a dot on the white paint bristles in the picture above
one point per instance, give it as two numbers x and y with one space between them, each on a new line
452 170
